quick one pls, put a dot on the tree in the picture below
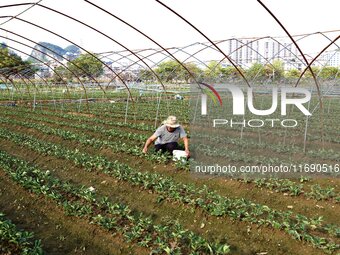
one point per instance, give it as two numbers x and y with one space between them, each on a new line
293 73
256 72
308 74
329 72
194 70
63 73
146 75
214 71
11 64
230 72
170 70
279 69
88 64
275 71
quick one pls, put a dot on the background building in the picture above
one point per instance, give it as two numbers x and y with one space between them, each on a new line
245 52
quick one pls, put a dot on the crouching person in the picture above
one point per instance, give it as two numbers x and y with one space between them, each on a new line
167 137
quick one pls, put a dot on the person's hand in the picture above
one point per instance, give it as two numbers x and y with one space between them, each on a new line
145 150
188 153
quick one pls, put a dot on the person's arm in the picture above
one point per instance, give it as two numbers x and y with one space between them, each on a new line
184 136
186 145
148 143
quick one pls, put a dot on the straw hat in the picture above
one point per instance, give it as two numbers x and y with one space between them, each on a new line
171 121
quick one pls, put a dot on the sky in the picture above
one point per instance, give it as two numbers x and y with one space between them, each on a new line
218 19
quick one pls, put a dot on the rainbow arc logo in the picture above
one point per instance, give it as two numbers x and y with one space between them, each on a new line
213 94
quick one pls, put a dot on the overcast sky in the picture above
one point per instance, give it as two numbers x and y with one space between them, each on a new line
218 19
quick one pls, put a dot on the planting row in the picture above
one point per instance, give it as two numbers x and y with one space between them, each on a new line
128 148
295 189
15 241
170 238
298 226
117 133
279 147
79 118
323 154
278 185
224 155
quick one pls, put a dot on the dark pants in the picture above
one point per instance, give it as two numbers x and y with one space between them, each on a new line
169 147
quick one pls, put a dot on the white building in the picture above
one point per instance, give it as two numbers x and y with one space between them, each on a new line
245 52
331 58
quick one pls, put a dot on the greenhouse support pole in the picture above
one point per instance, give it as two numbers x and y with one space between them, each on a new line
135 111
196 106
158 104
80 100
34 101
12 94
242 127
126 109
329 104
167 103
62 103
242 130
306 127
284 137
